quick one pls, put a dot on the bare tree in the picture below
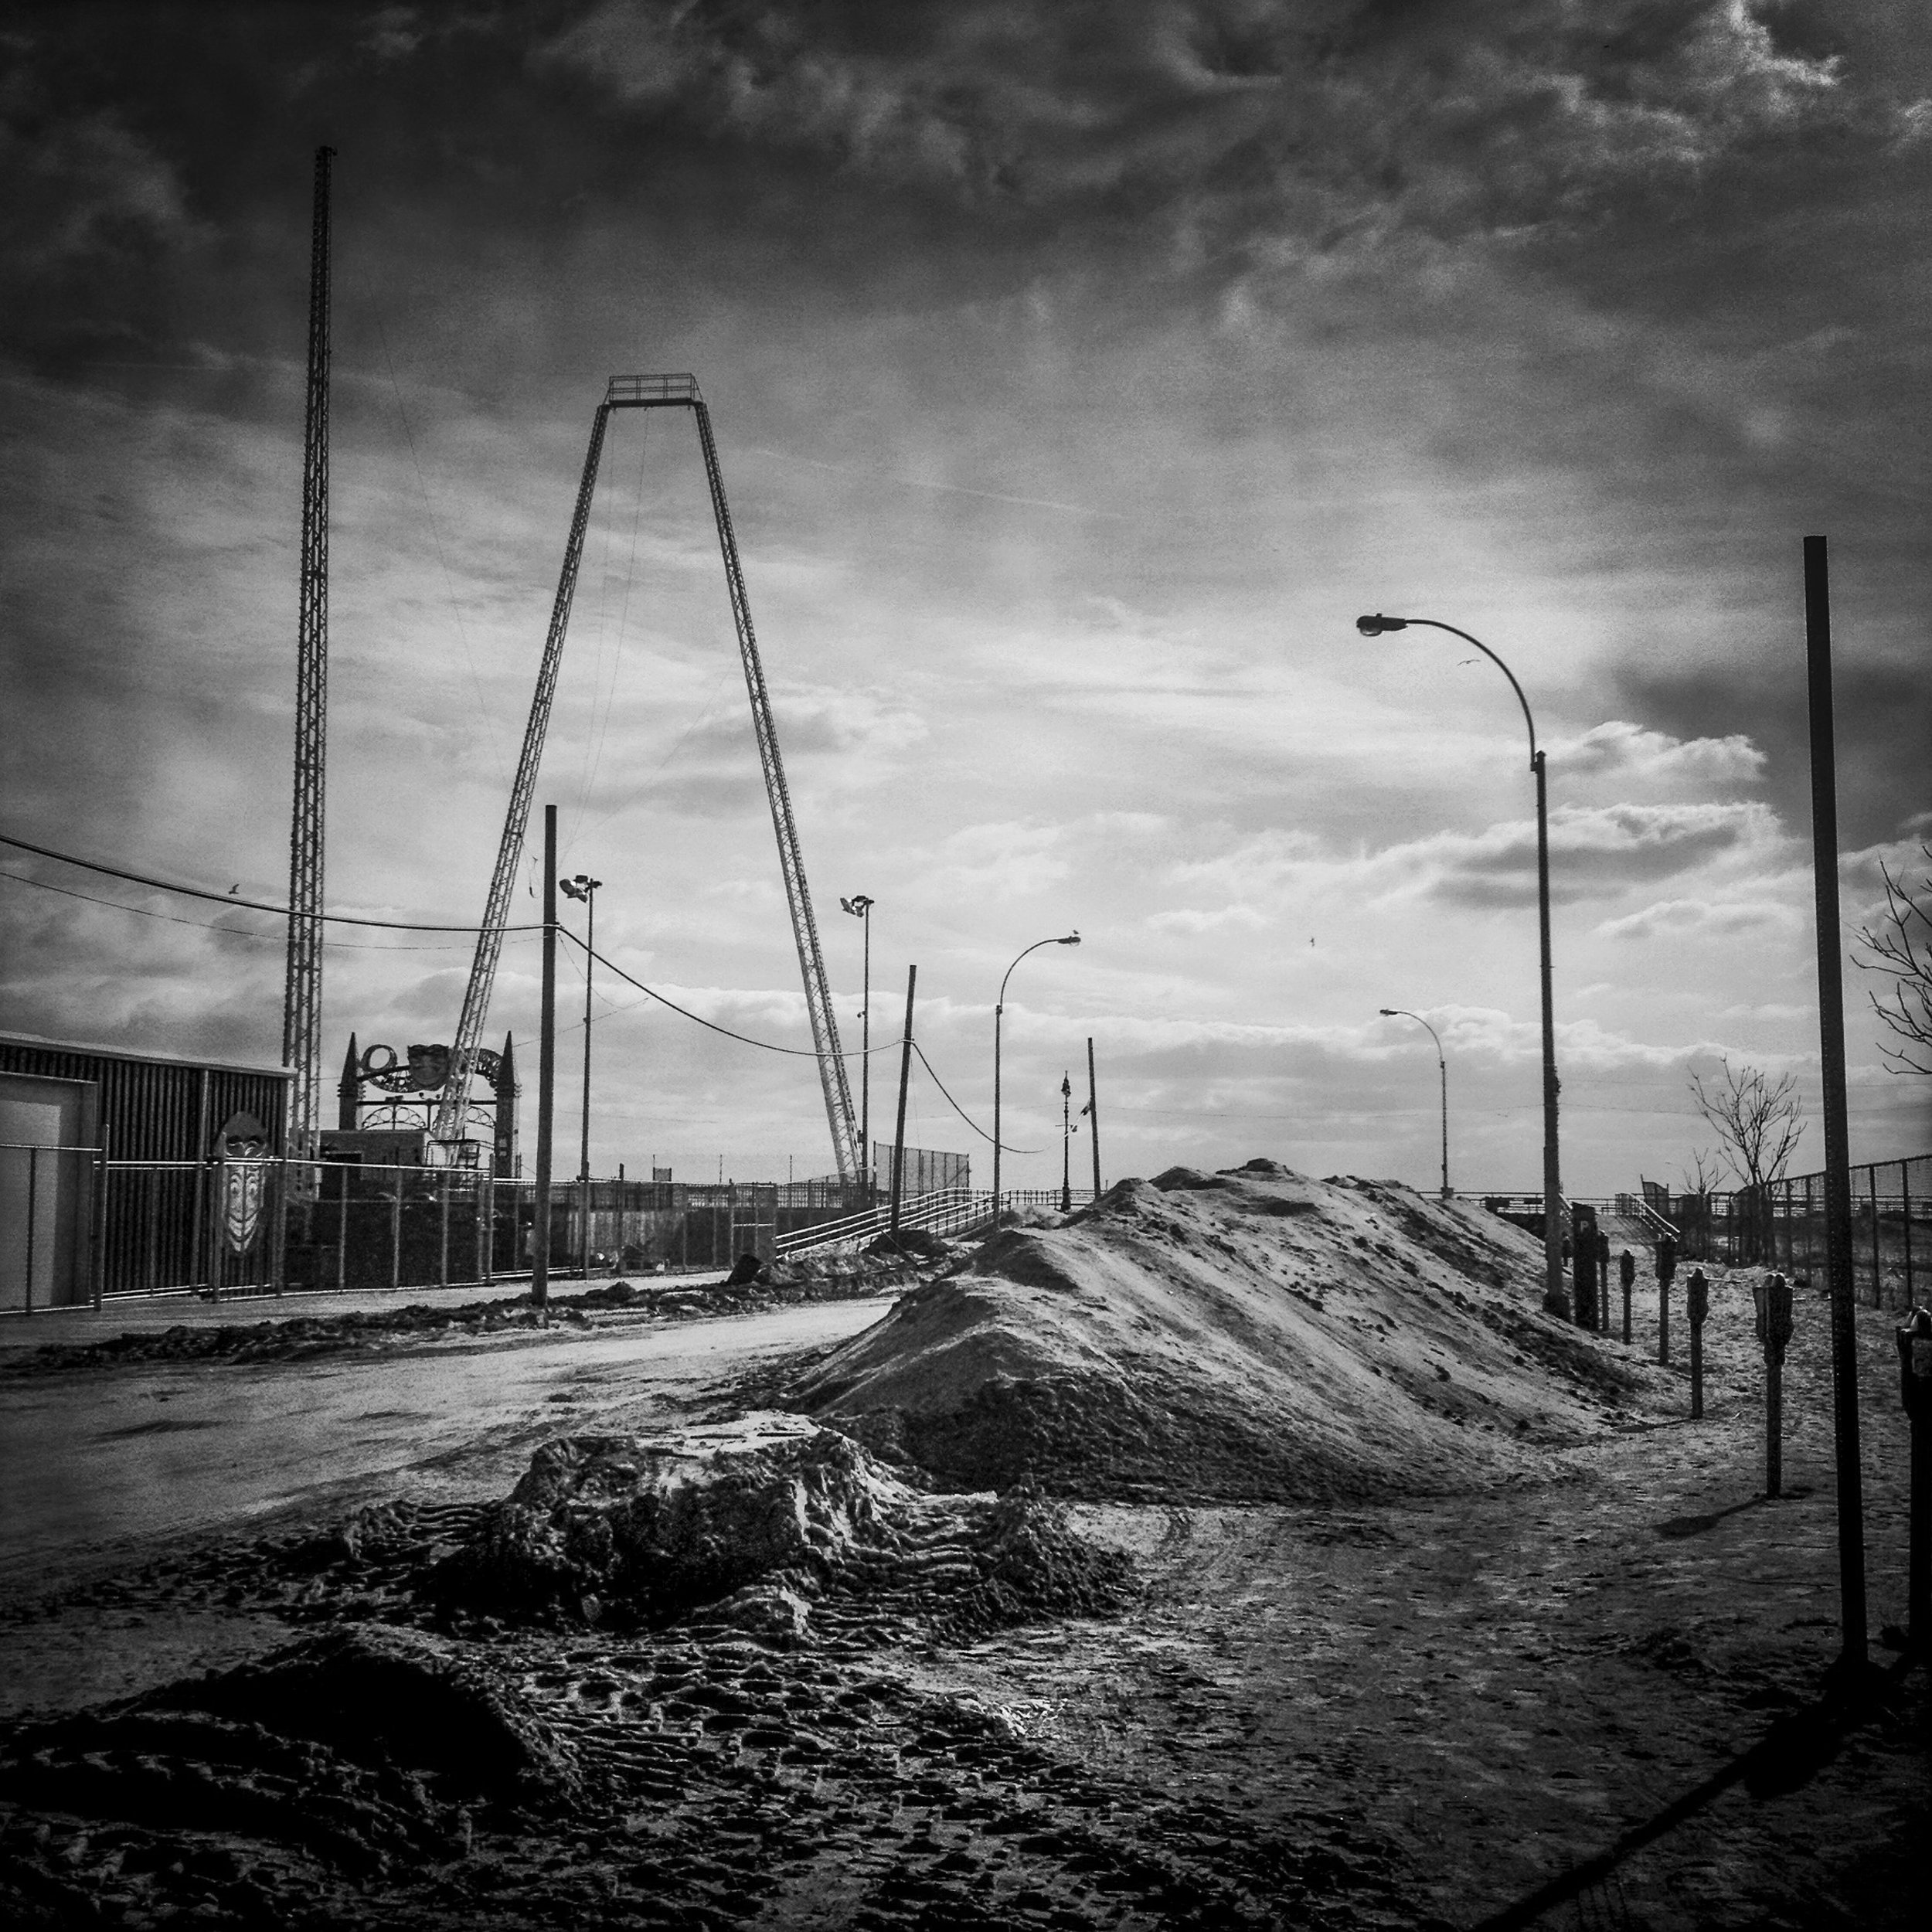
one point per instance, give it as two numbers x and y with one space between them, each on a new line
1902 948
1758 1121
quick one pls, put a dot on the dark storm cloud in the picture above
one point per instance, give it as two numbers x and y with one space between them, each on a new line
1234 122
1881 717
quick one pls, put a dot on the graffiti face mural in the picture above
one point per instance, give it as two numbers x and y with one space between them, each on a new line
241 1148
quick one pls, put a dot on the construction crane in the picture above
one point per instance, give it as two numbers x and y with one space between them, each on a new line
655 392
302 984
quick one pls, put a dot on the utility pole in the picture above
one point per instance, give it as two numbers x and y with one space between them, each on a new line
1838 1152
302 984
905 1077
1093 1115
546 1075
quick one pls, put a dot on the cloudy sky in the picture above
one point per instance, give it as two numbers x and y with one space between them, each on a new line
1080 372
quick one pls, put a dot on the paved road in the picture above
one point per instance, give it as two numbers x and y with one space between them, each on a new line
94 1464
149 1314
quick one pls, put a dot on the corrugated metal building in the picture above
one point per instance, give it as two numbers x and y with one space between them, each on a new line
67 1109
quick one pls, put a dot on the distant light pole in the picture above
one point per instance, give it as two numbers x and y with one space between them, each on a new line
999 1009
583 887
1442 1066
860 907
1066 1143
1556 1298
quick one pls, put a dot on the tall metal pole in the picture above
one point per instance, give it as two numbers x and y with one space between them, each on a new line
1093 1115
905 1077
1838 1153
1555 1297
302 984
1066 1143
859 906
1555 1300
546 1075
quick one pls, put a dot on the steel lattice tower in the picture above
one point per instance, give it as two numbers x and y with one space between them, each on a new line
302 989
656 391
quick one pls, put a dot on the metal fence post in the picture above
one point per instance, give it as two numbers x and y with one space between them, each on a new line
99 1217
33 1208
396 1229
443 1234
1905 1215
1878 1261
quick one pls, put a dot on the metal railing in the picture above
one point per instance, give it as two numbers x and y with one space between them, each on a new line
953 1211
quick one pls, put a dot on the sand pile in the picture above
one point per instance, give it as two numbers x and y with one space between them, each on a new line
753 1524
1248 1334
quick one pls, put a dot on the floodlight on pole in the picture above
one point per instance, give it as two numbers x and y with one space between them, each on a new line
1442 1066
860 906
1556 1296
999 1009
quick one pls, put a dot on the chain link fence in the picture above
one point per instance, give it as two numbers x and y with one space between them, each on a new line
1782 1225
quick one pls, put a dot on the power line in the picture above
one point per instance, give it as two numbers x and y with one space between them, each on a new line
230 899
1006 1146
232 932
744 1039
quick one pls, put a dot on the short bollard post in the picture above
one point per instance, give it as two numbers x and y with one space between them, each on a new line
1915 1391
1773 1296
1627 1272
1697 1302
1666 1267
1583 1264
1603 1282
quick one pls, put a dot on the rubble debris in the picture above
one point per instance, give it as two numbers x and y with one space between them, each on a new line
756 1523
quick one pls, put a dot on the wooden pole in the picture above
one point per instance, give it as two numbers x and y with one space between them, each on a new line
546 1075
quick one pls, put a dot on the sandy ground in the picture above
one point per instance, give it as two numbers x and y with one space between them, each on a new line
1408 1713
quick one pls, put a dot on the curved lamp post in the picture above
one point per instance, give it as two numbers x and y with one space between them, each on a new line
1442 1066
860 907
999 1007
584 887
1556 1298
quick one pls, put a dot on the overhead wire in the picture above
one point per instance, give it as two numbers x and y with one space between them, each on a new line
230 899
1006 1147
233 932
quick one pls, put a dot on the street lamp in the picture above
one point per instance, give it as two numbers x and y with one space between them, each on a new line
583 887
1066 1143
1556 1298
999 1007
860 907
1442 1066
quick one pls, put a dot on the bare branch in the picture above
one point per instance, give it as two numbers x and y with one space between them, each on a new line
1901 948
1705 1171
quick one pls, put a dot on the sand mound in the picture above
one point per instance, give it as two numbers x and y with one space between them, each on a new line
756 1523
1251 1334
